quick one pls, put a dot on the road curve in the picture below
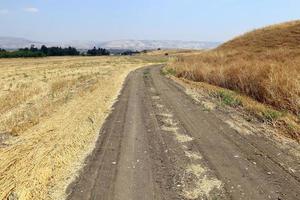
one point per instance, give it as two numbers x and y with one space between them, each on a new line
158 144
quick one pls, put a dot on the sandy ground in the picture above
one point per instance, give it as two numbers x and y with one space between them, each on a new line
159 143
51 112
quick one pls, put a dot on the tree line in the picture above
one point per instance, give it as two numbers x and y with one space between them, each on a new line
98 52
51 51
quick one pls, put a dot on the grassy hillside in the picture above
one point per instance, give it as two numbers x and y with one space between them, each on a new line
263 64
285 35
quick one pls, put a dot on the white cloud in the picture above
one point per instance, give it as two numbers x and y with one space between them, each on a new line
3 11
31 9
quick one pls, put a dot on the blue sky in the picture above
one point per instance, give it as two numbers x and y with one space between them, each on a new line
102 20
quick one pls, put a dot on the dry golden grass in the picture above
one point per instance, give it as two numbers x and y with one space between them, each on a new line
169 53
285 35
263 64
51 112
286 124
262 77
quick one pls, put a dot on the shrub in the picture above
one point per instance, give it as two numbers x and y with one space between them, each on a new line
229 98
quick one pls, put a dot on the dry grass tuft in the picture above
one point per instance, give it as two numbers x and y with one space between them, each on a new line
15 97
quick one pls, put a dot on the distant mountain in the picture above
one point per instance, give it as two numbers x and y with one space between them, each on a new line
80 44
15 43
155 44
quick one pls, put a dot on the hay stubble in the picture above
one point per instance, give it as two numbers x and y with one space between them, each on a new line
53 114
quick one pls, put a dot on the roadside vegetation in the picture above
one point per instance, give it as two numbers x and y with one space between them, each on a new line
263 64
51 110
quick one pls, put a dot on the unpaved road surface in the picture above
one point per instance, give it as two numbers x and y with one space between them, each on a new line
158 144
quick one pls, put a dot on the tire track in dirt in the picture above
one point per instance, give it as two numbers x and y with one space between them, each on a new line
158 144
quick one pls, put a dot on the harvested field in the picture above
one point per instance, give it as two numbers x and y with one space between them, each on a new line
51 110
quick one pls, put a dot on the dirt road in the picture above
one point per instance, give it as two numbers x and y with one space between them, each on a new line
159 144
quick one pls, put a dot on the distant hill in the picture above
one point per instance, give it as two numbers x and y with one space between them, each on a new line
15 43
284 35
155 44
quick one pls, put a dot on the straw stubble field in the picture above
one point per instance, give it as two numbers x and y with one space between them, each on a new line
51 110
